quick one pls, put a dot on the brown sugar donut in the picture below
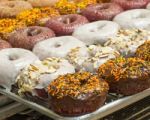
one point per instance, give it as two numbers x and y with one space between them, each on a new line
29 36
12 8
102 11
65 24
4 44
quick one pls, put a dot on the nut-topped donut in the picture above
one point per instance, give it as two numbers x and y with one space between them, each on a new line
12 61
13 8
96 32
4 44
29 36
77 94
36 77
103 11
66 24
128 40
137 18
56 47
126 76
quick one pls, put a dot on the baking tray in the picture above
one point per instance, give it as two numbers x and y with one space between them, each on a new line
113 103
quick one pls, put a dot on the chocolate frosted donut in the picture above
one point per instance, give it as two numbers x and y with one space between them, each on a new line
4 44
65 24
103 11
29 36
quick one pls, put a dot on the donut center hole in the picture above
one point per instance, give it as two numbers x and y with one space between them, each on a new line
33 32
11 5
102 7
57 45
13 57
83 82
68 20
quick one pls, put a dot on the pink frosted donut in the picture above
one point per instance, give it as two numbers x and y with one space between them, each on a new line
65 24
103 11
4 44
132 4
29 36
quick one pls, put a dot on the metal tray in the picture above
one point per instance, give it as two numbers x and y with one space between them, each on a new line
113 103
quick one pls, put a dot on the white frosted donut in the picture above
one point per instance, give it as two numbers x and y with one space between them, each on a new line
127 41
148 6
56 47
137 18
12 60
39 74
90 58
96 32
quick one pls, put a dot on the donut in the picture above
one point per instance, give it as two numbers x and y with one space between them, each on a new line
137 18
91 57
42 3
12 61
56 47
36 77
102 11
77 94
143 51
131 4
96 32
4 44
126 76
127 41
66 24
10 9
27 37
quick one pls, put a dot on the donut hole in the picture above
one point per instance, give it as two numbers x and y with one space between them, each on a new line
11 5
57 45
97 28
33 32
12 57
68 20
83 82
104 7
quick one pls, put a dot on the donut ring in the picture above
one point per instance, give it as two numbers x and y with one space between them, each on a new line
96 32
131 4
103 11
13 8
4 44
137 18
65 25
56 47
15 59
29 36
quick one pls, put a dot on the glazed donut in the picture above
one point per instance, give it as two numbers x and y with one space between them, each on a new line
65 24
127 41
96 32
12 60
29 36
42 3
36 77
131 4
4 44
13 8
90 58
103 11
137 18
56 47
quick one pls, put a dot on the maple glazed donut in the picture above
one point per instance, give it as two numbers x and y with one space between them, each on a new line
137 18
56 47
65 24
12 60
103 11
13 8
96 32
27 37
4 44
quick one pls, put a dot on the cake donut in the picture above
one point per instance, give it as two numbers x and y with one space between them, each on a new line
4 44
27 37
143 51
13 8
56 47
66 24
127 41
102 11
36 77
126 76
96 32
77 94
90 58
11 62
131 4
137 18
